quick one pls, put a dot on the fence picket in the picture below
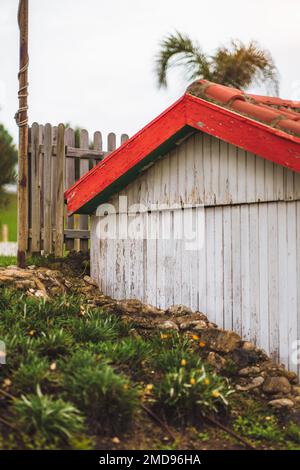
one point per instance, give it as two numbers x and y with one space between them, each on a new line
35 212
47 189
69 181
111 142
124 138
84 168
97 144
52 169
60 206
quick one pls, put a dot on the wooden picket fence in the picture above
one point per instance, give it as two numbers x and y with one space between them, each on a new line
58 157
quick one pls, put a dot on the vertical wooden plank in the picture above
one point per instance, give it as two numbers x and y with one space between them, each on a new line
54 184
111 142
95 250
236 269
60 204
245 272
241 175
210 263
273 291
289 184
260 179
178 236
232 174
219 278
47 190
269 180
199 167
215 170
41 184
69 181
254 274
124 138
283 282
208 198
223 173
263 277
83 169
250 176
292 281
35 190
227 268
98 143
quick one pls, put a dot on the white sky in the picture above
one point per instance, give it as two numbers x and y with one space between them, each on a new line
91 62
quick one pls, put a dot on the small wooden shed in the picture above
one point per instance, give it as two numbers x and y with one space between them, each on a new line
234 158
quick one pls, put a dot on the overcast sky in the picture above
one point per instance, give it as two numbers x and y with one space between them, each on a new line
92 61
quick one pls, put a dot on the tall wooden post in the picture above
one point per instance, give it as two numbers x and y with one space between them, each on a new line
22 121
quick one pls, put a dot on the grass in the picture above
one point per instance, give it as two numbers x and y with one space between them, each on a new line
79 376
66 360
8 216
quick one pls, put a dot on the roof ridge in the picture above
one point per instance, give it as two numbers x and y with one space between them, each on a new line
272 111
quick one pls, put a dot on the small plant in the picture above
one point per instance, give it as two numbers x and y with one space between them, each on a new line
292 432
192 392
259 427
47 418
93 328
128 352
55 343
31 373
170 349
109 399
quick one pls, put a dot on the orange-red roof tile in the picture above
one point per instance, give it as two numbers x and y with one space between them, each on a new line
273 111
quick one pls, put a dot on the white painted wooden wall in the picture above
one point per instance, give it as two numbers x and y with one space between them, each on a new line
247 275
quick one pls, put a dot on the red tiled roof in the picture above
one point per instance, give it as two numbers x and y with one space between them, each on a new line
268 127
275 112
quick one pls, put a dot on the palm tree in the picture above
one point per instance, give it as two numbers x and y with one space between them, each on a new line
238 65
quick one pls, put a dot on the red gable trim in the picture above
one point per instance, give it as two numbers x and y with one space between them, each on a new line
227 125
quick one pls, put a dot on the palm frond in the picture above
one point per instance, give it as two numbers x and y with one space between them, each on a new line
241 65
178 50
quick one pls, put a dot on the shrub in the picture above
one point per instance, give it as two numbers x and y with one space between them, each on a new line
109 399
43 416
31 373
188 393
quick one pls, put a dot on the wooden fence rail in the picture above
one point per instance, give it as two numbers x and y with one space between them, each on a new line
58 157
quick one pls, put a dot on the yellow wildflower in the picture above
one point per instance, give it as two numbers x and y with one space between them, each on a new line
206 381
149 387
215 394
195 337
202 344
7 383
164 336
183 362
192 381
31 333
